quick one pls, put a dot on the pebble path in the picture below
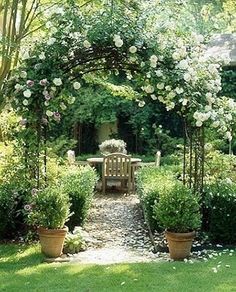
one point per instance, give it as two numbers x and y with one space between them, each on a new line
116 232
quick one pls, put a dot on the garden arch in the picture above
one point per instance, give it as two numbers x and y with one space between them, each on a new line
173 71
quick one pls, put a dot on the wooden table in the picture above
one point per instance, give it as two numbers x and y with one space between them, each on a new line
99 160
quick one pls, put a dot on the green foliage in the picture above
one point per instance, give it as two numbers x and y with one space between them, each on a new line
78 183
74 242
219 166
178 210
14 190
49 208
7 209
152 183
61 145
9 125
220 211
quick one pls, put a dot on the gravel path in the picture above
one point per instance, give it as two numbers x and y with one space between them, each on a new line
116 232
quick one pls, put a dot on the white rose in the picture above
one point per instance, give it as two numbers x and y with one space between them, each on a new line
25 102
209 95
172 94
132 49
42 56
71 100
149 89
176 56
153 97
179 90
229 117
18 86
27 93
76 85
168 88
119 43
183 65
116 37
159 73
86 44
160 85
221 111
184 102
53 30
48 24
153 59
199 123
215 124
141 103
142 64
23 74
187 77
63 106
49 113
153 64
228 136
51 41
208 108
57 81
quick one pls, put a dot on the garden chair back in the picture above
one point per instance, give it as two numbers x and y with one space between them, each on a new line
116 166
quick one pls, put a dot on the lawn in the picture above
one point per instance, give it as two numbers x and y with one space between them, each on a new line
21 269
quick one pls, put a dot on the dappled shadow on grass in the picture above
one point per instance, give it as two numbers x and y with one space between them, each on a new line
14 255
174 276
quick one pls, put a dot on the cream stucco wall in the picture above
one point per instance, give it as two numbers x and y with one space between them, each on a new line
106 130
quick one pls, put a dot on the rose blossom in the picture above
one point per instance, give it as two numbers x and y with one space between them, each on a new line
30 83
57 116
43 82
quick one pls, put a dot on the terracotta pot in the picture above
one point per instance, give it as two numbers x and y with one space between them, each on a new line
179 244
52 241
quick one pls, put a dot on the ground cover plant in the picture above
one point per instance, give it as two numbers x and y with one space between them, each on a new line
25 263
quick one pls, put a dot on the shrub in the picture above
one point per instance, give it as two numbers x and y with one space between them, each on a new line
7 210
153 182
220 166
49 208
14 189
220 211
79 183
178 210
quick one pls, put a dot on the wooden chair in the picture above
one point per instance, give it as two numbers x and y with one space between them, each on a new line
116 166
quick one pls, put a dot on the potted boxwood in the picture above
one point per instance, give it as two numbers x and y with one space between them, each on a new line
49 210
178 211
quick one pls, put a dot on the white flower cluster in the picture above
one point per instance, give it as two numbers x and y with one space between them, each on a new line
112 146
118 41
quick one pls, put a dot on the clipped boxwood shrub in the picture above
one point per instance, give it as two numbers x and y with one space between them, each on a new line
178 210
220 211
79 183
152 182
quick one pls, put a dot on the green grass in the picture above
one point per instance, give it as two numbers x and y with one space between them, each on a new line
21 269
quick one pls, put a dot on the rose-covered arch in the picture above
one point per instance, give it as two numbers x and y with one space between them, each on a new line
163 68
